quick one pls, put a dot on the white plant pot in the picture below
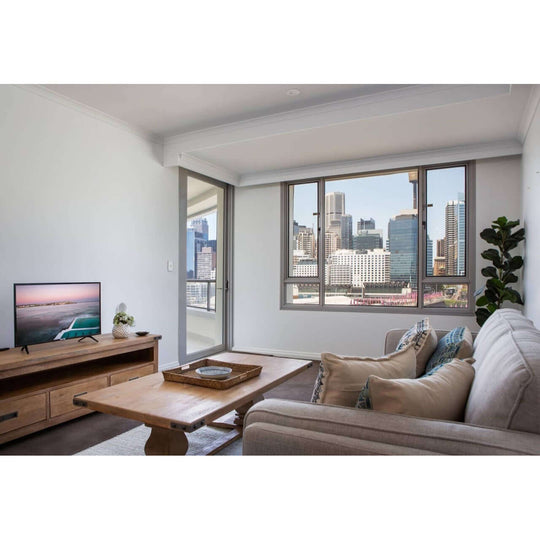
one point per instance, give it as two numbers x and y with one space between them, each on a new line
120 331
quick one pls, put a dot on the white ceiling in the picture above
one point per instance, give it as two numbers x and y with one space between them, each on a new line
485 120
170 109
235 132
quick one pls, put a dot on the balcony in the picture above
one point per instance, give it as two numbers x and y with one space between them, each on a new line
201 294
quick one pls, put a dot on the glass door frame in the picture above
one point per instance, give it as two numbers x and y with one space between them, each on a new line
228 195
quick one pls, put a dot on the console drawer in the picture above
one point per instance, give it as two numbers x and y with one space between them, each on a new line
20 412
62 399
134 373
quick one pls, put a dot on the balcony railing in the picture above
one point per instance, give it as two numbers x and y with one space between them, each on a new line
201 294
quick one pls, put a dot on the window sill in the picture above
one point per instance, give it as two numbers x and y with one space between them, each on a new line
381 310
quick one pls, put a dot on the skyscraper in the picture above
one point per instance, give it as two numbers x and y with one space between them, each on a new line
413 179
402 243
334 204
305 241
455 236
429 256
200 225
367 239
365 225
346 231
190 253
206 262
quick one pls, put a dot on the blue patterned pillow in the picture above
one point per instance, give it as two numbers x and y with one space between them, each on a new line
363 398
424 340
458 343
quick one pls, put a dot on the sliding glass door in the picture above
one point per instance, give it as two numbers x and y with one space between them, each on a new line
204 225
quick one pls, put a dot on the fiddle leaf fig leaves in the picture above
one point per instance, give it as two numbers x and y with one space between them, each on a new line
501 273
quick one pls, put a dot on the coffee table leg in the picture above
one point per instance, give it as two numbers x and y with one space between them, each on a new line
240 413
166 442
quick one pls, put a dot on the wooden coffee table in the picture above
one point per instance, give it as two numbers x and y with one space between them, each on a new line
174 409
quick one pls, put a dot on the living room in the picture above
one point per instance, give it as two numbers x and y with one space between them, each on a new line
101 183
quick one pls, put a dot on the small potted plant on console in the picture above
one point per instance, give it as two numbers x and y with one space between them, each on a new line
122 321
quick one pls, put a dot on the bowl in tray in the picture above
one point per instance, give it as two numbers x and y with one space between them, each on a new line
214 372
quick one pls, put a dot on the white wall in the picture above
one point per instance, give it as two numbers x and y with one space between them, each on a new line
531 214
259 324
84 200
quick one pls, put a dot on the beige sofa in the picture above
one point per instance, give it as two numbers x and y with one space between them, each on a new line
502 415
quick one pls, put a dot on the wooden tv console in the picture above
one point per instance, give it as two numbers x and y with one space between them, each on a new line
37 389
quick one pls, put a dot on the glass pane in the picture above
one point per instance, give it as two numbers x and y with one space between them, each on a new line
302 293
446 222
371 240
450 295
303 226
204 266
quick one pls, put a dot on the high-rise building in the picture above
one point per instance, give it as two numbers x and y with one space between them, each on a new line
429 256
334 204
368 239
206 262
305 267
353 268
403 245
190 253
305 241
346 231
200 225
365 225
439 266
332 242
455 236
413 179
440 248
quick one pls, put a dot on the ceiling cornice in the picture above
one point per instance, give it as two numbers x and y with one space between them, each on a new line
349 110
207 168
379 163
51 95
529 112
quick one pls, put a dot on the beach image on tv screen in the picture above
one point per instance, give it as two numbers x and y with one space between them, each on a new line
56 311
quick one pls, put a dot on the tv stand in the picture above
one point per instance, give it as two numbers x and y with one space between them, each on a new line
25 348
37 389
88 337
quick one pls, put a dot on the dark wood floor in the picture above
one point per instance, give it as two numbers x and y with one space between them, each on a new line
72 437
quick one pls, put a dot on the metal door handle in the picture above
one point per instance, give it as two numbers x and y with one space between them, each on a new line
9 416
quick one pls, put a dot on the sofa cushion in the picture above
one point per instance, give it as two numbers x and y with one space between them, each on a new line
458 343
424 340
342 377
441 394
506 389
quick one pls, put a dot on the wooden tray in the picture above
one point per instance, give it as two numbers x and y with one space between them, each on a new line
187 374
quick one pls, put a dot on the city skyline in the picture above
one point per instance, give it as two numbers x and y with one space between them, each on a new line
381 197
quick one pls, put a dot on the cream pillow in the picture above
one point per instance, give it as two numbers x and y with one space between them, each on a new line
424 339
441 395
342 377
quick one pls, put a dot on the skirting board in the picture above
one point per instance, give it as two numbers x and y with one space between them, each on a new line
169 365
278 352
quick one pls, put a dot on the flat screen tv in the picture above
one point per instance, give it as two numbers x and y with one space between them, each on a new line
56 311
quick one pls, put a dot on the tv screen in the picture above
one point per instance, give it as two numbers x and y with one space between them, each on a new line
55 311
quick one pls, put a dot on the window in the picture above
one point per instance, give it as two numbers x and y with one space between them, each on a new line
396 240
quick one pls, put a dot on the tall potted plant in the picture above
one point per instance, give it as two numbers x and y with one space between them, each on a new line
502 268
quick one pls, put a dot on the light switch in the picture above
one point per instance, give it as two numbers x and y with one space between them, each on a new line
170 266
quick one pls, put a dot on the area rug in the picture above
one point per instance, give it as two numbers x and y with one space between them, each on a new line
131 443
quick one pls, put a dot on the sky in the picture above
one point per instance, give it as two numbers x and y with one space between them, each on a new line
382 197
57 292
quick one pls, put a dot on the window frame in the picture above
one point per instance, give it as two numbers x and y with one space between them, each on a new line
423 278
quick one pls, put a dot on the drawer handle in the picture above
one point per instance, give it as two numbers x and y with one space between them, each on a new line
81 394
133 378
9 416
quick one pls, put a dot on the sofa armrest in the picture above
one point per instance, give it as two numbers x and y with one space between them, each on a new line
293 427
392 339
